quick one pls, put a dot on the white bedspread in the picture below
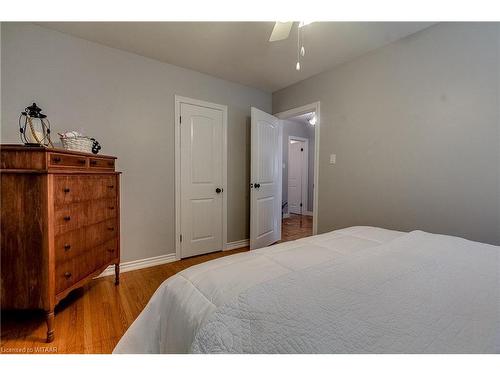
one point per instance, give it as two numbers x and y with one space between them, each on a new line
356 290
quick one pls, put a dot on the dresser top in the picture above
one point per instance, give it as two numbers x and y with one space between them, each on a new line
27 159
23 148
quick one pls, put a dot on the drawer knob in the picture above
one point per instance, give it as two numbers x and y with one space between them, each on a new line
111 250
67 218
56 159
111 186
111 207
67 246
67 275
66 190
111 228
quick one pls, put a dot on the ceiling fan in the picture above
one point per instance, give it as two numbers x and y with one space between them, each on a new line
281 31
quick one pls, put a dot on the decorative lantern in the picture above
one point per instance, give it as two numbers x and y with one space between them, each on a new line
34 127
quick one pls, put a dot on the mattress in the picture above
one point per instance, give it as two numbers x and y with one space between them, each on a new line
355 290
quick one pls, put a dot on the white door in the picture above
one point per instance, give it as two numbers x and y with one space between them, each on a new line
265 187
296 176
201 190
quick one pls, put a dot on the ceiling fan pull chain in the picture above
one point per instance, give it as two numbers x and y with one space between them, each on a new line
302 48
298 49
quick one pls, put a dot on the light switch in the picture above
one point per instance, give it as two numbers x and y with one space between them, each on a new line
333 158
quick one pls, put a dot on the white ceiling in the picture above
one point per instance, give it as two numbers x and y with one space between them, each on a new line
240 51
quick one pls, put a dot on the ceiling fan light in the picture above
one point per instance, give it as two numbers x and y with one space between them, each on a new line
304 23
297 66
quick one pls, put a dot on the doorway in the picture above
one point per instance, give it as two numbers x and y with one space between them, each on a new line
270 218
300 171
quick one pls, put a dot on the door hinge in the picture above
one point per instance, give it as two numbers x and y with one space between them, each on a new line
181 237
180 119
301 205
301 149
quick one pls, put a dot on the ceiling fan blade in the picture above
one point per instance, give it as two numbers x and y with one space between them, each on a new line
281 31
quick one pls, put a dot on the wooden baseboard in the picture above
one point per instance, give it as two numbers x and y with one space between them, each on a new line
305 213
139 264
237 244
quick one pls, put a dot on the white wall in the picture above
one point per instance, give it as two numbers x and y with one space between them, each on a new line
415 126
127 103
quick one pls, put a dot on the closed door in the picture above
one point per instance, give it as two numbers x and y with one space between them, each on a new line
296 177
265 197
201 179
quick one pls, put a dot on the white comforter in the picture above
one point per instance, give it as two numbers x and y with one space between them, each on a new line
356 290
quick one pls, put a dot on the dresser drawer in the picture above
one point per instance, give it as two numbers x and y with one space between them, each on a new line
64 160
102 254
99 233
77 215
70 217
70 272
99 163
70 245
77 268
109 250
69 189
100 210
65 275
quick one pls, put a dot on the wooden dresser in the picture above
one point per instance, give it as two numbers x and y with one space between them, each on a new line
60 225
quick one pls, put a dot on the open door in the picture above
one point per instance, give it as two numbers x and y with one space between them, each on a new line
265 180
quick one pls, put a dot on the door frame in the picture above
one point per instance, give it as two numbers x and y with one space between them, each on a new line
305 181
312 107
177 146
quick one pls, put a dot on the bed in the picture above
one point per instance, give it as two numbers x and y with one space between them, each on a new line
355 290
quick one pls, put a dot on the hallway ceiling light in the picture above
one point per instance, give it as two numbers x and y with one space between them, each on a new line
312 120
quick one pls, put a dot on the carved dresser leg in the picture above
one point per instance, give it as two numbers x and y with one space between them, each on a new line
49 317
117 273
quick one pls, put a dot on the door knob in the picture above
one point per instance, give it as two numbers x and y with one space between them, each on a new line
257 185
219 190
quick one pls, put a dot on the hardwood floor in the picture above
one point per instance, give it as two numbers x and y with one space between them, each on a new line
295 227
93 318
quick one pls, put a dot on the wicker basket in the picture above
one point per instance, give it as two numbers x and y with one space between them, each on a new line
82 144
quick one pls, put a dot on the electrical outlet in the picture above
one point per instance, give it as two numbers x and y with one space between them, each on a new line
333 158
